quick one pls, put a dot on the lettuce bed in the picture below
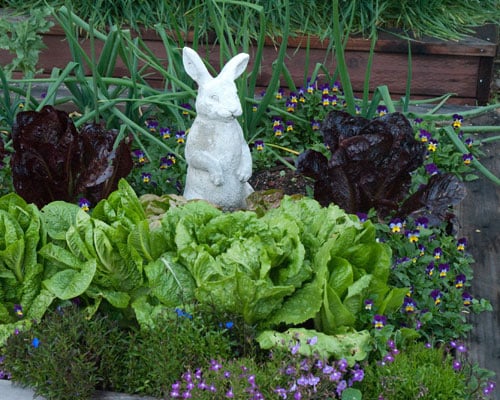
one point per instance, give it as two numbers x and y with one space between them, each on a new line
298 264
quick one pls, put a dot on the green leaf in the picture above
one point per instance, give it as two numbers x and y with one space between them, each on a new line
77 244
57 217
122 206
341 275
150 244
31 285
258 298
13 258
351 394
10 229
393 301
115 298
60 256
169 281
366 255
202 265
106 254
302 306
70 283
334 316
40 305
145 313
351 346
357 293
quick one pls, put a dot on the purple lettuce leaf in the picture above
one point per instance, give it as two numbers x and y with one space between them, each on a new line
370 164
433 200
52 160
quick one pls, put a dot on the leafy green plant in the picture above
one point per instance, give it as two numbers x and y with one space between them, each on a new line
21 271
22 36
296 263
90 255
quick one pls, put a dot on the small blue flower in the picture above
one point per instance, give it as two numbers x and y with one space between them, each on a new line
35 342
182 313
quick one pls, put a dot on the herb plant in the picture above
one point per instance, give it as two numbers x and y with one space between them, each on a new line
65 356
22 37
415 372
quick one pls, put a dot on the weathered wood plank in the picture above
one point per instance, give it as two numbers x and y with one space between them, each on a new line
432 75
390 43
463 68
479 215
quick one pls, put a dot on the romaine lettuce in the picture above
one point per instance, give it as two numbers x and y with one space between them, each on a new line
21 273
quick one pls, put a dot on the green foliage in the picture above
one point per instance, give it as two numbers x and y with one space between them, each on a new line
296 263
22 37
21 272
436 265
151 361
351 346
70 356
421 17
110 255
65 356
416 373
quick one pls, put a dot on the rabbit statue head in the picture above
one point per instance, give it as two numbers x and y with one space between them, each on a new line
218 157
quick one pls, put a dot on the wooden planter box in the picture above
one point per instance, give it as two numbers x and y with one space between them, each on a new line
462 67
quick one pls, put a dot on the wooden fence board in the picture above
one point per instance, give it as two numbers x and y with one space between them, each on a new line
479 215
439 67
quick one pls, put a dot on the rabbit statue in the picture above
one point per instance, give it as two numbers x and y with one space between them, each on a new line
218 157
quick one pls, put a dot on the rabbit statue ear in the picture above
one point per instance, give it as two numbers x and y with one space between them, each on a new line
235 67
194 66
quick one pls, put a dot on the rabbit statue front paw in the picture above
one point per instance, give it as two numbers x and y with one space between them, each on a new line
244 173
217 177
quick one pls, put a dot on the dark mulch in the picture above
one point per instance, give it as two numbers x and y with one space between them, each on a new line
280 177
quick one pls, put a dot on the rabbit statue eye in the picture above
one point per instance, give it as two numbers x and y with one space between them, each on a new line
214 97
